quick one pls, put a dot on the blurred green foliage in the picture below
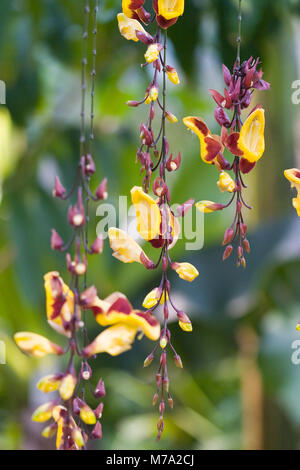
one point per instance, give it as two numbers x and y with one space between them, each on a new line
40 53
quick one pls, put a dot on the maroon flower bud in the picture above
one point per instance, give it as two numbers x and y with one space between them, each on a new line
159 187
148 360
145 38
146 135
246 245
101 192
240 251
158 379
87 165
97 431
222 117
97 246
98 411
227 252
170 402
161 407
228 236
59 190
155 399
219 99
77 404
147 262
133 104
100 389
236 91
56 241
70 263
227 75
178 362
152 111
183 317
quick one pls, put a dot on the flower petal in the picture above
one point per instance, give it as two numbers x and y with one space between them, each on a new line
59 302
170 9
210 146
251 140
114 340
124 248
129 26
147 214
36 345
185 271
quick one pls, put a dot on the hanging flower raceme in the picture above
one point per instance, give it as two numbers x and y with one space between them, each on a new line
242 141
293 175
63 309
156 222
70 418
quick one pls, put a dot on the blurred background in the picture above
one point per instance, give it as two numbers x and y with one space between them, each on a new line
239 388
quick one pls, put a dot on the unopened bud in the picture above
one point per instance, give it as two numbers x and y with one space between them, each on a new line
158 379
228 236
240 251
98 411
166 384
133 104
155 399
100 389
243 262
101 192
59 190
227 252
161 407
171 402
97 431
97 246
246 245
56 241
148 360
178 362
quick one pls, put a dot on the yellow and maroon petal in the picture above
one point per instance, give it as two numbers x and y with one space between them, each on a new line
210 146
251 140
36 345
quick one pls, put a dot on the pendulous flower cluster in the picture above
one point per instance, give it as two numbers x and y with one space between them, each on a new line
70 417
156 222
244 141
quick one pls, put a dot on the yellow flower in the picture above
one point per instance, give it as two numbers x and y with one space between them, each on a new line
67 387
226 183
293 176
170 9
124 248
186 326
173 75
49 383
251 140
36 345
43 412
153 93
117 309
185 271
87 415
59 303
171 117
114 340
147 214
49 431
208 206
129 26
152 52
210 145
153 297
